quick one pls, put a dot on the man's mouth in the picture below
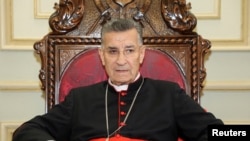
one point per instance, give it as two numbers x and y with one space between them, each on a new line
121 71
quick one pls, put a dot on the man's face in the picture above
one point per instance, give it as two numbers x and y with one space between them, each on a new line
121 54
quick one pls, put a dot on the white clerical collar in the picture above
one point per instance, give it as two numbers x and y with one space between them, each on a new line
122 87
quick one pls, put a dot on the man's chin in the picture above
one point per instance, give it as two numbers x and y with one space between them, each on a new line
122 82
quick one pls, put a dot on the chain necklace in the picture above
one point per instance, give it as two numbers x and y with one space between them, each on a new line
126 117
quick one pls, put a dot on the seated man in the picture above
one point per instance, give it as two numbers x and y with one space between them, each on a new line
127 106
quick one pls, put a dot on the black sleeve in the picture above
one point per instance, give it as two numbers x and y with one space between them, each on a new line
191 117
54 125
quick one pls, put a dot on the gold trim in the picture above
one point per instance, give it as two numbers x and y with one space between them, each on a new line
19 85
7 129
237 122
227 85
212 15
17 47
10 41
227 48
38 14
243 41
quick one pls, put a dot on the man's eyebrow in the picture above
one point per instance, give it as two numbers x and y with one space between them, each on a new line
112 47
129 46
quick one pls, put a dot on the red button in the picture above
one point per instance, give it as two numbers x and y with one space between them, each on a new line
117 135
123 113
122 124
122 103
123 93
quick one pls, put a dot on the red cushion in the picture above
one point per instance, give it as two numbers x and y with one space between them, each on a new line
86 68
160 65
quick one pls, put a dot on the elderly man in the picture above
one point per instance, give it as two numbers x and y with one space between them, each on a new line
127 106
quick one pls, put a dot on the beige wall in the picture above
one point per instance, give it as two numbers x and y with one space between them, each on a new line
224 22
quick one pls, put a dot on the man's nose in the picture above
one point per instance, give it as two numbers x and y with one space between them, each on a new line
121 58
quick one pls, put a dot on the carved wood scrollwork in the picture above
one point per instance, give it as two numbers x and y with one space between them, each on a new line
205 49
68 15
177 15
39 47
135 9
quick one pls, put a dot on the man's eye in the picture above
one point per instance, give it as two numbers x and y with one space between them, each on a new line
112 51
129 51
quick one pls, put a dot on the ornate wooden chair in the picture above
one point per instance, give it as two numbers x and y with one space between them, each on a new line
69 52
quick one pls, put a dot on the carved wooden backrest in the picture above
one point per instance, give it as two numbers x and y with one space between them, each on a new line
167 26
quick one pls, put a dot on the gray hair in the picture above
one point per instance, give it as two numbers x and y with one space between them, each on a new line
119 25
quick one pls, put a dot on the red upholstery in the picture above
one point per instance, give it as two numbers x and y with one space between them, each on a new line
159 65
86 68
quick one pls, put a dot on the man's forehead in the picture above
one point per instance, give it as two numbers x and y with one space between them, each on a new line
126 33
120 39
120 47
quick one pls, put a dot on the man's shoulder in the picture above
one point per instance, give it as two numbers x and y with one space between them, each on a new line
160 82
94 86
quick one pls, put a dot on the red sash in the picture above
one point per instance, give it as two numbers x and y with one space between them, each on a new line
117 138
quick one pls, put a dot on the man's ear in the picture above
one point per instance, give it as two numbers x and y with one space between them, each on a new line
100 51
142 53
